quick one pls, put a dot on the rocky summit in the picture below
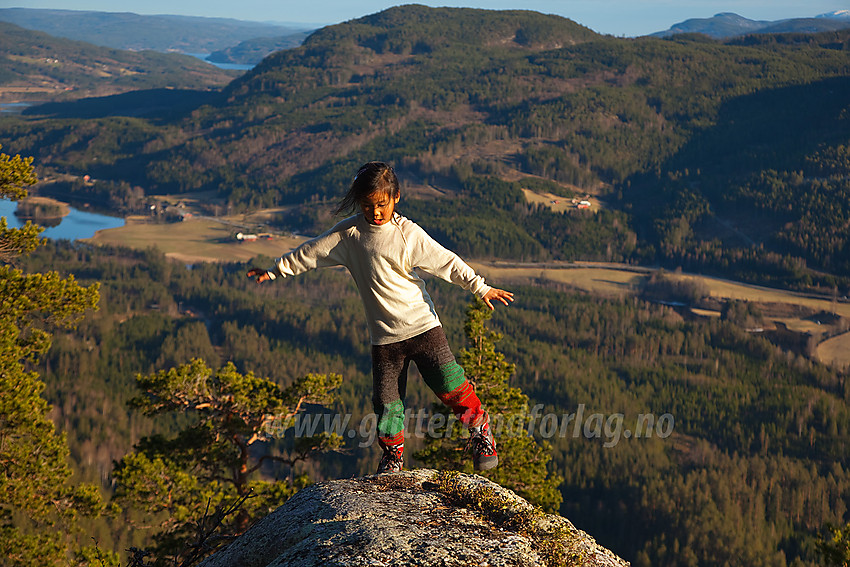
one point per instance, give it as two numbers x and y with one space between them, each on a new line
421 517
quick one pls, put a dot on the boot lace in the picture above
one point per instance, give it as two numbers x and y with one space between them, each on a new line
391 461
479 443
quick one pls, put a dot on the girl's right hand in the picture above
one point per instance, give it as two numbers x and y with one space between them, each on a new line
261 275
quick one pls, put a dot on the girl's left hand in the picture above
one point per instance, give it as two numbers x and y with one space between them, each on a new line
500 294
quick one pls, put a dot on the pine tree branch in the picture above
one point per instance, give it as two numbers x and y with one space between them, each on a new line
205 538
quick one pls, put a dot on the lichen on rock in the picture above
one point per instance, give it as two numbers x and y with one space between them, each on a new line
420 517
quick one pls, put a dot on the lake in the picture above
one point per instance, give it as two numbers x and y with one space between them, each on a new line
75 226
230 66
14 107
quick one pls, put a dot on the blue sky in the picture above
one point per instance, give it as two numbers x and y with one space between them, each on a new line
615 17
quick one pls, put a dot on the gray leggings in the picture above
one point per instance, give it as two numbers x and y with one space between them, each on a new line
435 361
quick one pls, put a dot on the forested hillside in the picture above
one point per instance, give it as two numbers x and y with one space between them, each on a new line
252 51
748 466
38 67
723 157
703 148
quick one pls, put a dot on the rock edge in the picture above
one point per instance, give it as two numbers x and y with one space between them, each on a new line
420 517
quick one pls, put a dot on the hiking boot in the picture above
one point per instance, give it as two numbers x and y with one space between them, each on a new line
482 444
392 459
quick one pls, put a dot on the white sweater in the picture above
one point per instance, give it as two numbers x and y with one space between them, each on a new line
381 259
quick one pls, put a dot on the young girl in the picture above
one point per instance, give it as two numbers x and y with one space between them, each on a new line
381 248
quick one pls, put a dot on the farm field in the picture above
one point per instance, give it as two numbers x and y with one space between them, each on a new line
206 240
726 289
835 351
592 278
560 204
193 240
614 279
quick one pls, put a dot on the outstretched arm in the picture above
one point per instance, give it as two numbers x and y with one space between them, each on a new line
432 257
327 249
500 294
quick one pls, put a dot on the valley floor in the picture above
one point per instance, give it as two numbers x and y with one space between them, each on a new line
203 239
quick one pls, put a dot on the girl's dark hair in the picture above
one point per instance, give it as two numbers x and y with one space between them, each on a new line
375 176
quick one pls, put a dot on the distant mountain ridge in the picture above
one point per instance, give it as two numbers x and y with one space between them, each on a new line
35 66
187 34
728 25
681 137
843 14
252 51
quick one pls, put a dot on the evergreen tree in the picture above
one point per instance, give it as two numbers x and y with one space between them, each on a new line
522 461
38 503
16 174
200 485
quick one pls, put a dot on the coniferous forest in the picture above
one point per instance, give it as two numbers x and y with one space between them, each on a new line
728 158
756 458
